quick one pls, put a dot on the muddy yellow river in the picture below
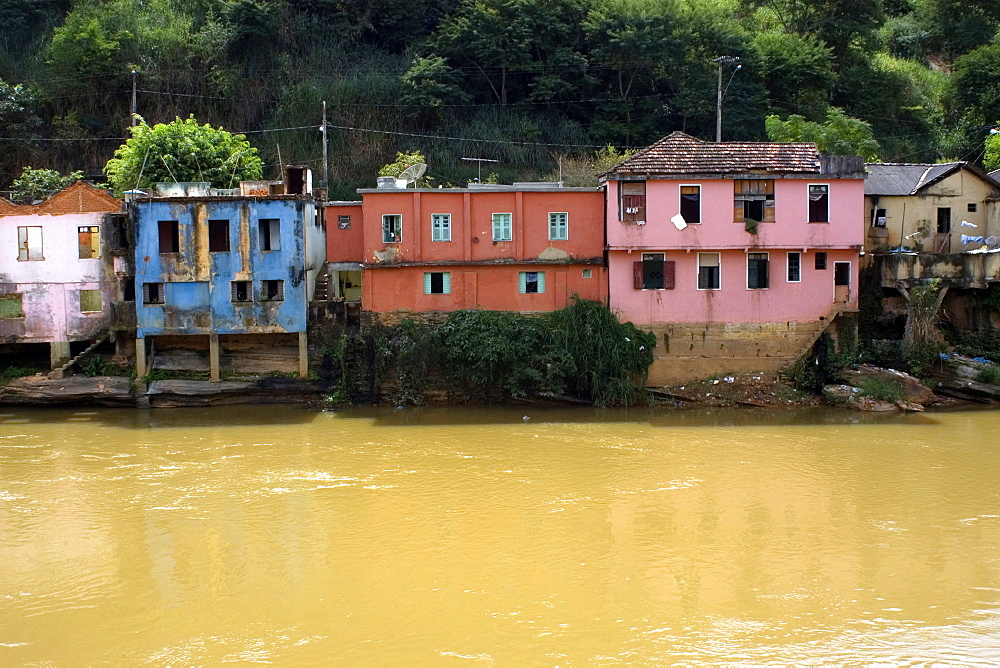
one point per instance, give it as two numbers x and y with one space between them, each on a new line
476 536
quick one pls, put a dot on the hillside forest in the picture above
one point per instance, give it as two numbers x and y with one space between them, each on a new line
536 85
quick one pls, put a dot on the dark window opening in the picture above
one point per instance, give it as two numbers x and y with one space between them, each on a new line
973 207
819 204
753 210
272 291
218 236
343 222
531 282
879 218
757 271
170 236
794 267
943 220
754 200
653 273
270 234
241 291
821 261
691 204
128 289
437 283
841 273
152 293
709 275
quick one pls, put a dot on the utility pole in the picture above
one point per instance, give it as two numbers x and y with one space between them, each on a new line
326 166
722 60
133 97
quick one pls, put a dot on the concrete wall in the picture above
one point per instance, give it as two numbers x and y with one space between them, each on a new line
198 298
344 244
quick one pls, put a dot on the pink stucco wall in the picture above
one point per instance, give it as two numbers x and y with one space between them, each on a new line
791 228
807 300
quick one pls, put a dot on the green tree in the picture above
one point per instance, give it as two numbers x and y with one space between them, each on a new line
797 72
838 135
991 159
430 85
40 183
404 160
182 151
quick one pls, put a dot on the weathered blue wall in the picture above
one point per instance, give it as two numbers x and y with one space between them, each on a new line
197 283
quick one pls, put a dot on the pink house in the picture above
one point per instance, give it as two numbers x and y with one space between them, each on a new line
525 247
62 271
737 254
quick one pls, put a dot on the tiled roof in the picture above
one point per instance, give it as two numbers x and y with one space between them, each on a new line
681 154
79 197
904 178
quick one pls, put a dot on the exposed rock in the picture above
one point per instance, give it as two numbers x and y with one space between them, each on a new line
957 375
80 390
914 391
910 406
839 394
860 403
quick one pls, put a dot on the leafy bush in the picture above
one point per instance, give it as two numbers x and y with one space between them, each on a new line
882 390
989 375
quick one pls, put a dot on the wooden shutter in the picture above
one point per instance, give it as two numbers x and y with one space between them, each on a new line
446 282
541 282
427 282
637 275
668 274
522 282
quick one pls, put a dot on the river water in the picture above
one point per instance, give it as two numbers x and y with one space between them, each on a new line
450 536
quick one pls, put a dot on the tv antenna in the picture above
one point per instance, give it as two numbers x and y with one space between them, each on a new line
412 173
480 161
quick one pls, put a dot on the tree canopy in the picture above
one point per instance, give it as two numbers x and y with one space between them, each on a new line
182 151
40 183
838 135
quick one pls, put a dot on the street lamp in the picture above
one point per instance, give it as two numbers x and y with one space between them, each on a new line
720 93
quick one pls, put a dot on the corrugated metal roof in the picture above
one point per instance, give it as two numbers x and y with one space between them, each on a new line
680 153
904 179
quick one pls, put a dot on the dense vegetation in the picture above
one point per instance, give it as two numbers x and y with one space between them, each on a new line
527 82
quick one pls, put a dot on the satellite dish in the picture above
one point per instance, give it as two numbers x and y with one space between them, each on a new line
412 173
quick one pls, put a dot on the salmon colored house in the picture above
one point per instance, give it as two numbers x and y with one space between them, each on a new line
526 247
738 255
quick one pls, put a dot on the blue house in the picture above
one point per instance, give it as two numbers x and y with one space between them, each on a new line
224 277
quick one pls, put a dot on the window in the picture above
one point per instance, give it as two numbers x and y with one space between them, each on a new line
169 236
272 291
794 267
441 227
973 207
152 293
754 200
587 273
240 291
502 227
90 301
757 272
343 222
270 234
437 283
128 288
89 237
29 243
392 228
11 306
531 282
690 206
943 220
820 261
218 236
879 219
632 201
819 203
653 273
709 271
558 226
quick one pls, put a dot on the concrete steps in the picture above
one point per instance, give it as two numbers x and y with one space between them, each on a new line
64 370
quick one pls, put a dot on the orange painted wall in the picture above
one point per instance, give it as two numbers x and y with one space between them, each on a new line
491 287
344 245
472 218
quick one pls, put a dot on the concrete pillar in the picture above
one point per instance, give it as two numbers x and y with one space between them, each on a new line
213 357
303 354
58 353
140 358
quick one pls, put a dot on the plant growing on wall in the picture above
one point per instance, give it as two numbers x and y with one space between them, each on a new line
182 151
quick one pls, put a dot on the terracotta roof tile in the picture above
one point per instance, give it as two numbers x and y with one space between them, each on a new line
680 154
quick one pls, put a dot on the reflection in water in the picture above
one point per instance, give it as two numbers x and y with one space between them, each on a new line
434 535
